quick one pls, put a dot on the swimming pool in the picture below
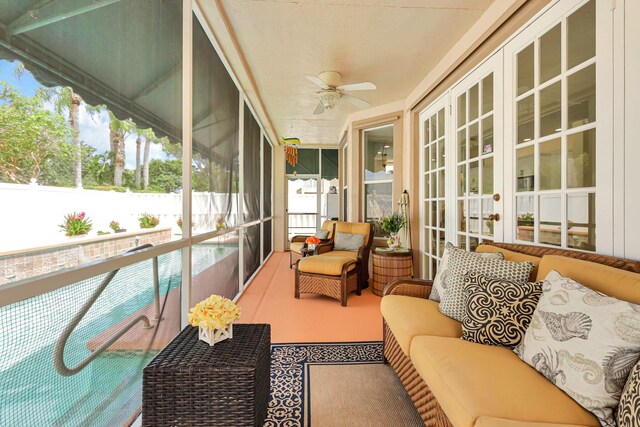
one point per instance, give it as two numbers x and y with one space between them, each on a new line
108 390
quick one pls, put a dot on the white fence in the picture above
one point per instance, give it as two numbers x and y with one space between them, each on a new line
30 214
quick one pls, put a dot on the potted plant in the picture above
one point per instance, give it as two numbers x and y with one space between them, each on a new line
76 224
214 317
392 224
115 226
148 221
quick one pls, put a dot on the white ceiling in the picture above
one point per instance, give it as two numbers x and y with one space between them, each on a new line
392 43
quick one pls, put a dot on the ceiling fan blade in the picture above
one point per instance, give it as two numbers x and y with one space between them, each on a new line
356 101
318 82
358 86
319 109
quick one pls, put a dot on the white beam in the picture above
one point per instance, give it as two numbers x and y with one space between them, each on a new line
51 11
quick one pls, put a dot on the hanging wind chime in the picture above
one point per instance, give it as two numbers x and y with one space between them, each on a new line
291 151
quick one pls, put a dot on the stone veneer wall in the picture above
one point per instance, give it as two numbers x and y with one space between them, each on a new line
22 265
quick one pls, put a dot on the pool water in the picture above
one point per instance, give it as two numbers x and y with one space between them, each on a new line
108 391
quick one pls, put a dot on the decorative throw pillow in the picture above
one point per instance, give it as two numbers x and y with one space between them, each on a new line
452 303
439 282
629 407
322 234
497 311
348 242
585 342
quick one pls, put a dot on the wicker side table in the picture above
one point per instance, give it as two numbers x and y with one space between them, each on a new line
389 265
191 383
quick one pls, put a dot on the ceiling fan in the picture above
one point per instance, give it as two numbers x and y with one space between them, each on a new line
332 91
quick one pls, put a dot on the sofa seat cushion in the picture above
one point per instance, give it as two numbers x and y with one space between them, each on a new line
472 380
296 247
501 422
408 317
329 263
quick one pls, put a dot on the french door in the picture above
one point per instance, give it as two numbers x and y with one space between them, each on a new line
433 137
476 138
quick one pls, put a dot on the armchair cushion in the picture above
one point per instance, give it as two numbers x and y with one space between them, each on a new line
348 242
322 234
354 228
296 247
329 264
408 317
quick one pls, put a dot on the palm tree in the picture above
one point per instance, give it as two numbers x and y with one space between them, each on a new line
138 165
149 137
65 99
119 130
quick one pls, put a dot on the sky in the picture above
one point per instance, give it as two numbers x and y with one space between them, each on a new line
94 130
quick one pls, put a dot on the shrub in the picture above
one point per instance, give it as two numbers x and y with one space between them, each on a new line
102 233
76 224
148 221
114 225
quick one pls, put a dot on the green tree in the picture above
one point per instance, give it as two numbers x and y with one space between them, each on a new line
165 175
29 135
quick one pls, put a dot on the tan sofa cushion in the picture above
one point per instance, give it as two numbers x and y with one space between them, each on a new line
329 263
296 247
474 380
501 422
610 281
513 256
409 317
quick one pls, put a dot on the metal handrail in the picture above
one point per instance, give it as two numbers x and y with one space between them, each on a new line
58 356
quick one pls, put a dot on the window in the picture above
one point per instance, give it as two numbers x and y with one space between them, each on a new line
378 175
102 89
555 134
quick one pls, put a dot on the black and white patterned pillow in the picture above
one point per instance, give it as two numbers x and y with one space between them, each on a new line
452 303
629 407
498 311
439 281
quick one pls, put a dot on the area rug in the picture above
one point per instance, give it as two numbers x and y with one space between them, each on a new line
336 384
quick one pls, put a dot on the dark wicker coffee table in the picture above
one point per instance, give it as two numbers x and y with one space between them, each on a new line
191 383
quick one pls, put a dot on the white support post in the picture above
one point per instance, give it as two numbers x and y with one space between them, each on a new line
187 91
241 193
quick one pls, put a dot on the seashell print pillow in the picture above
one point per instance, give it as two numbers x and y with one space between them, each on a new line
585 342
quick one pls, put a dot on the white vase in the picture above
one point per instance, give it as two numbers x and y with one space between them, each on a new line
394 241
311 246
212 336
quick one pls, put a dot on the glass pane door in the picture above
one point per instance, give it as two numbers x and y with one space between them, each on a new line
478 170
433 137
302 206
554 132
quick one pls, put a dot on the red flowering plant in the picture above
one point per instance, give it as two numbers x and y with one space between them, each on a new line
312 240
148 221
76 224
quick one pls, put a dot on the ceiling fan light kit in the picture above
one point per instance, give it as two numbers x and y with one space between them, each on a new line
331 91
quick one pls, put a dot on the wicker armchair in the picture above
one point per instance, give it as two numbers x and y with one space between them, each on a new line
336 273
297 243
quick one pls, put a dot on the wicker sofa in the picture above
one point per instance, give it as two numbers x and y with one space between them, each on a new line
459 383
